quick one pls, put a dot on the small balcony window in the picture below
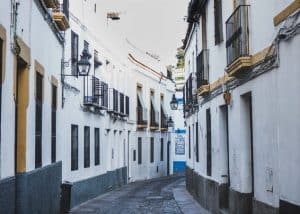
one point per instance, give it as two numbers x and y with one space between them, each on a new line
202 68
92 92
113 106
237 34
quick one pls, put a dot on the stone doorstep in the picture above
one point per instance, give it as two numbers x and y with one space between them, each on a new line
186 202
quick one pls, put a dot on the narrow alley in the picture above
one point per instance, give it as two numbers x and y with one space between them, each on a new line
160 195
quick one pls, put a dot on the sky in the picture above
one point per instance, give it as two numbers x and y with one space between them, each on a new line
155 26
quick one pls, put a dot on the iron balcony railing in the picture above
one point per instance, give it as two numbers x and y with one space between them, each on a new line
237 34
142 115
97 94
202 68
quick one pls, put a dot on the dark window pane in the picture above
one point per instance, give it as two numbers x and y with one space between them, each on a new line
74 147
86 146
38 120
208 146
53 124
152 150
139 150
161 149
97 146
134 155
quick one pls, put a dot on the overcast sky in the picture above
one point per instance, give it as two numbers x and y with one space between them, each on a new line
156 26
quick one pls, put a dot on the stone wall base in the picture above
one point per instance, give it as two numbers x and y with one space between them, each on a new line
81 191
216 197
7 195
38 191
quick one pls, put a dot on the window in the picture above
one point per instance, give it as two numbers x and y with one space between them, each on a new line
122 101
139 150
134 155
97 146
161 149
197 143
218 22
74 147
152 150
74 53
95 8
53 123
127 105
189 142
86 147
208 145
38 120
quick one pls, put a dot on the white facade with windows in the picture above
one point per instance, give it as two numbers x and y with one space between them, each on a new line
59 127
244 105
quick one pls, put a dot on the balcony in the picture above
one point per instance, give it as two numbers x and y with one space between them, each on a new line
142 120
203 72
60 17
237 43
113 106
95 95
51 3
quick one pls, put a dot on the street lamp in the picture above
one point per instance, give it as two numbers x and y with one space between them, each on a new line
170 122
84 64
174 103
83 68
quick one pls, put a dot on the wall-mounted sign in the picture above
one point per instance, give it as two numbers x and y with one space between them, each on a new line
180 144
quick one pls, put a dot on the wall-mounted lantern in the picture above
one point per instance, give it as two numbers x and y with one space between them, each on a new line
84 64
174 103
170 122
83 68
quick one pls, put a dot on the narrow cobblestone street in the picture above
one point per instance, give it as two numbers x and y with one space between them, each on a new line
164 195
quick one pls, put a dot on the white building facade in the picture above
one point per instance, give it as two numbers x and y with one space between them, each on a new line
241 63
74 136
30 160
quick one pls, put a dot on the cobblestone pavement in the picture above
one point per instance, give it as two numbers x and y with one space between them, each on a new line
144 197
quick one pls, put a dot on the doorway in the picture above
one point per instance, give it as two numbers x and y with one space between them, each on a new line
224 146
247 137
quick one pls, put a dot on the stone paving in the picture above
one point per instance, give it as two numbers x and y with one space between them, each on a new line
163 195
